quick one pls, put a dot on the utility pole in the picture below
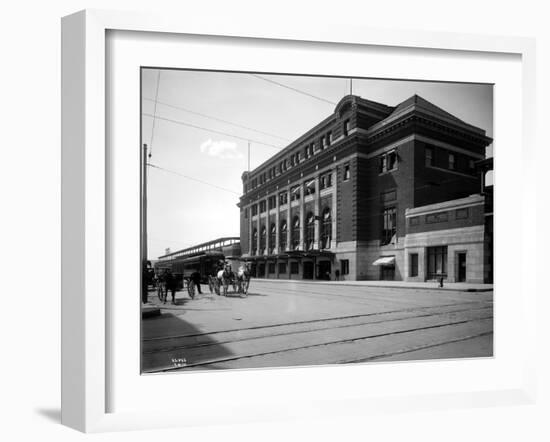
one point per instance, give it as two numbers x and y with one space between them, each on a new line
351 86
144 208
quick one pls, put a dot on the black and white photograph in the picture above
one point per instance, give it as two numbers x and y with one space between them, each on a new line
296 220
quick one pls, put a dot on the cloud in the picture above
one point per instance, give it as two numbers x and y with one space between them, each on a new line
221 149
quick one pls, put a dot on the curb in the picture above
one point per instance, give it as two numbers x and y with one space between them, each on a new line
344 283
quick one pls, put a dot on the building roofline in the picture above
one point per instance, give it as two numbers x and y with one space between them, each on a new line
471 200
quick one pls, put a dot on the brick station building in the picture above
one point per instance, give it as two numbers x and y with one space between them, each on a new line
358 197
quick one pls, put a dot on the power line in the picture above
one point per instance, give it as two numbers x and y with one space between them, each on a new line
215 118
154 116
294 89
212 130
192 178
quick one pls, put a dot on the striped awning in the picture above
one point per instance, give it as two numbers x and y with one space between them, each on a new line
384 261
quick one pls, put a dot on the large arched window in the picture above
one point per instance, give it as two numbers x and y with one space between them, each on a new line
272 237
326 229
263 234
254 242
310 231
283 229
296 233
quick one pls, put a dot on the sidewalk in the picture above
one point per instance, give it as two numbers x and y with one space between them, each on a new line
451 286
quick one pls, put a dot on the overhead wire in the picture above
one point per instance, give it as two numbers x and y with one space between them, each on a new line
213 131
154 115
154 166
215 118
294 89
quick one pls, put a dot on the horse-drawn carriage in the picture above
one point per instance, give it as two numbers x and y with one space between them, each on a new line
230 273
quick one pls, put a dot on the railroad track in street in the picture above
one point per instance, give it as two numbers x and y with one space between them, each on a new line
343 339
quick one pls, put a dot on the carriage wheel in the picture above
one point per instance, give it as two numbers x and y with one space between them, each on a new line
191 289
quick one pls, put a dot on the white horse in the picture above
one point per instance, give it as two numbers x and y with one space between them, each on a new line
243 279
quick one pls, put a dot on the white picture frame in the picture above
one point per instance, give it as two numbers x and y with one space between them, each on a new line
86 315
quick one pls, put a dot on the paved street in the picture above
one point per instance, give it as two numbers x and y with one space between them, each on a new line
286 323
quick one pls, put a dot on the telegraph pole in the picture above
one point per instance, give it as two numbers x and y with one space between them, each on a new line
144 208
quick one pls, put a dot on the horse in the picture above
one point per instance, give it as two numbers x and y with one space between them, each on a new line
224 278
243 279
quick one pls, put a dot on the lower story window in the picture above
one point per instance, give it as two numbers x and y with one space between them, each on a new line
437 262
271 267
344 266
294 269
282 267
413 264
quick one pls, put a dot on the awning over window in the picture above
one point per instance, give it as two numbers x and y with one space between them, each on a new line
384 261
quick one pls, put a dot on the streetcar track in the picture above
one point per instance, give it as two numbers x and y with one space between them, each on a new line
288 333
306 321
339 341
362 299
416 348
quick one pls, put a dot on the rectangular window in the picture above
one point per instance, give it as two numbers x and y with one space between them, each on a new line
282 267
271 267
387 162
413 264
429 156
295 193
383 164
323 142
272 202
346 128
329 138
309 187
325 181
451 161
392 160
414 221
440 217
344 266
462 213
388 196
263 206
283 198
389 225
294 268
346 172
246 213
437 262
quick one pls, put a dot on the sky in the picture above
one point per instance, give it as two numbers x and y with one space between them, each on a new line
197 126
